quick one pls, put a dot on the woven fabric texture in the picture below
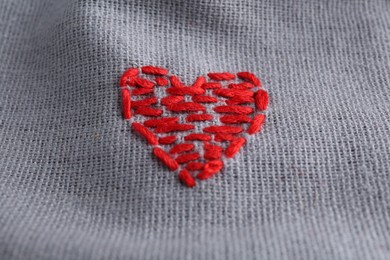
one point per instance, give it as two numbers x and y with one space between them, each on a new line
76 183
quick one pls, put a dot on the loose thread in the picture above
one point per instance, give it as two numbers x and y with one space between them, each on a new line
234 147
149 136
209 169
126 103
186 178
165 158
256 124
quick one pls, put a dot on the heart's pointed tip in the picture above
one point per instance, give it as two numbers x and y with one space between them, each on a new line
187 179
210 169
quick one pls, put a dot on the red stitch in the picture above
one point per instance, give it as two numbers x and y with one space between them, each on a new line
212 152
221 76
197 137
149 136
199 117
148 111
243 85
185 91
256 124
233 92
165 158
186 106
194 166
144 83
161 81
167 139
171 99
261 99
199 82
181 148
211 85
234 109
175 82
173 128
128 77
223 137
234 147
235 119
236 95
223 129
186 178
126 103
184 158
154 70
144 102
237 100
204 99
127 82
161 121
250 77
131 72
141 91
209 169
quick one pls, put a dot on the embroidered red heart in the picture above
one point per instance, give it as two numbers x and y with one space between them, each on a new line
193 128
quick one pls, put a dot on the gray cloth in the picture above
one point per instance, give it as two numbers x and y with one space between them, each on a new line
76 183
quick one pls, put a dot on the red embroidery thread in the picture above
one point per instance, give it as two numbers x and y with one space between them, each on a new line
126 104
187 178
250 77
221 76
191 113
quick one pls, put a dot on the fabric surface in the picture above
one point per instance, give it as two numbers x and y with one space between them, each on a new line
76 183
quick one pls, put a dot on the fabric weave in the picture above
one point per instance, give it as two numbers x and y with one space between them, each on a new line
76 183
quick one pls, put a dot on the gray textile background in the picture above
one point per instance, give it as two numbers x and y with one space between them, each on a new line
75 183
